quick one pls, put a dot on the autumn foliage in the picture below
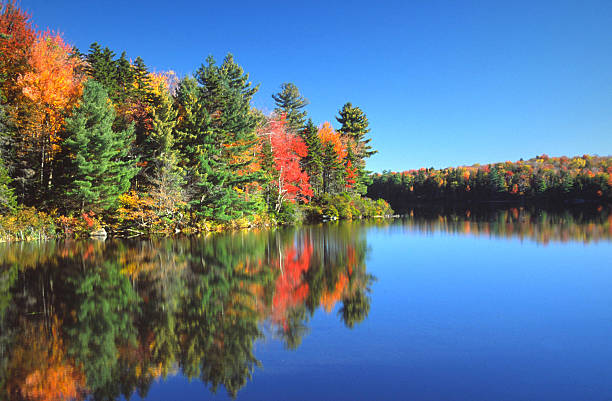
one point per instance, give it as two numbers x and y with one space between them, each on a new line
541 179
291 288
290 181
327 134
18 37
149 152
53 83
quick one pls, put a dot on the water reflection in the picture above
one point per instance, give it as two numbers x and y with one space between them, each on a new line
543 226
105 319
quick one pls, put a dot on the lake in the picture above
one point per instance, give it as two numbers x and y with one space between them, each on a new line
509 304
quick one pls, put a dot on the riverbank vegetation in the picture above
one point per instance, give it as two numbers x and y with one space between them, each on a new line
542 180
96 140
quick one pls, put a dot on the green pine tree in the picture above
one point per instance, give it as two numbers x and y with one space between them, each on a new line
101 67
497 183
142 88
312 163
333 171
191 124
221 144
270 173
165 177
290 102
567 183
160 145
540 185
354 128
97 170
125 77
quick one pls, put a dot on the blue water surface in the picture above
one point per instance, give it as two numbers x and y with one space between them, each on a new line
453 317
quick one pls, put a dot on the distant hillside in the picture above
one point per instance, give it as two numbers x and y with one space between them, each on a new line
541 179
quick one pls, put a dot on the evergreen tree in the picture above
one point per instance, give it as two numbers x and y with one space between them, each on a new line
312 163
333 170
269 171
159 149
191 124
136 108
125 77
540 185
496 181
567 183
480 186
354 128
290 102
96 170
225 144
143 88
162 171
102 68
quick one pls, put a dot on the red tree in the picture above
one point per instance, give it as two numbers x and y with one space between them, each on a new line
16 38
351 174
291 182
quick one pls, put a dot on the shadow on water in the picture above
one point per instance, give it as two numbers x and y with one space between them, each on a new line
102 320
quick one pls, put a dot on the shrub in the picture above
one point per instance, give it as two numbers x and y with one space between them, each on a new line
290 213
346 206
26 224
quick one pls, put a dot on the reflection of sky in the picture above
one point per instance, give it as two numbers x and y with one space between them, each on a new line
452 317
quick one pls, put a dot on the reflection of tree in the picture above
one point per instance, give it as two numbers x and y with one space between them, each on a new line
217 319
582 224
119 314
39 368
105 305
105 319
294 328
7 278
319 268
355 308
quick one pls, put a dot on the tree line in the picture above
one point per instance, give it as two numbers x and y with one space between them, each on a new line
98 136
542 179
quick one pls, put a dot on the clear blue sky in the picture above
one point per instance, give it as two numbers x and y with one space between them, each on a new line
443 82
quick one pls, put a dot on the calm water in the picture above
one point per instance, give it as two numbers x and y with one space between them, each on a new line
497 305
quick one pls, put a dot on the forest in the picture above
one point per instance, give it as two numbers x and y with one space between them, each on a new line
94 140
542 180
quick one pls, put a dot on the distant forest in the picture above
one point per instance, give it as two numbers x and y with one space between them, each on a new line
543 180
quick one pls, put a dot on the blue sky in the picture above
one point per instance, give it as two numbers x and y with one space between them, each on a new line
443 83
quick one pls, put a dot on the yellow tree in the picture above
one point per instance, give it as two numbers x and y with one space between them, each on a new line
53 85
